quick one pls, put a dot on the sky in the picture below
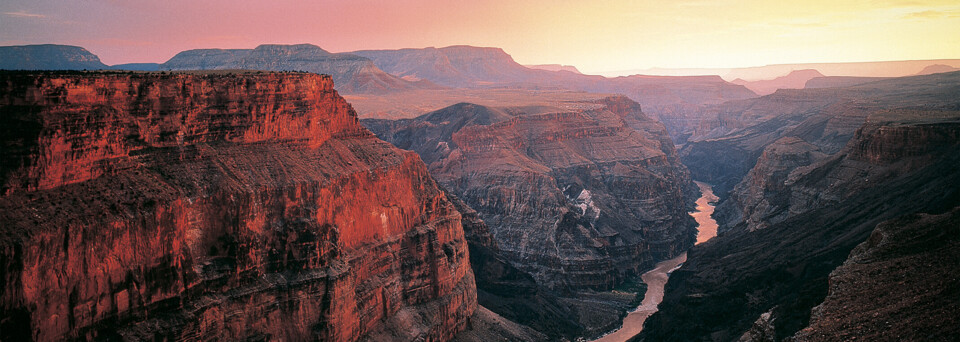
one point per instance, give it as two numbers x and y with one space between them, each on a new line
595 36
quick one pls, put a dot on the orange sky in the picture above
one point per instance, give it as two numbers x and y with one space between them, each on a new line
599 35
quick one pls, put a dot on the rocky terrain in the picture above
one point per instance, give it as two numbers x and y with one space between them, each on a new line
216 205
900 284
729 138
579 200
48 57
802 208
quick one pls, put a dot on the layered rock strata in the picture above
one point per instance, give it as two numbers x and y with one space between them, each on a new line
900 165
578 199
729 138
217 205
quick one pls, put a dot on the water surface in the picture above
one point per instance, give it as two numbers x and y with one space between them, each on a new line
656 278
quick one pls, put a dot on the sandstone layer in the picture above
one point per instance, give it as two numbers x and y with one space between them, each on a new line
578 199
218 205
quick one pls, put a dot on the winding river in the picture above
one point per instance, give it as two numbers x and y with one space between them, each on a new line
657 277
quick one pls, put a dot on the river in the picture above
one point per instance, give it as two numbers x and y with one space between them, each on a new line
656 278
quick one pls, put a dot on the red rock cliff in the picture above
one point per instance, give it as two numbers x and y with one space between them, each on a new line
217 205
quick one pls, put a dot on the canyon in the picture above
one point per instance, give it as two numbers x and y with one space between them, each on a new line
581 200
250 205
656 279
790 229
462 196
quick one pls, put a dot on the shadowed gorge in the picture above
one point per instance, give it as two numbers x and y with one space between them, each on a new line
581 200
480 171
217 205
799 212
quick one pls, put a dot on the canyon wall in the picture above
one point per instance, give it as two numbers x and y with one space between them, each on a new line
145 206
578 199
802 208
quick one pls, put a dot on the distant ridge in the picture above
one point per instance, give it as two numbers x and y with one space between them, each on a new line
936 69
454 66
48 57
555 67
767 72
487 67
351 73
796 79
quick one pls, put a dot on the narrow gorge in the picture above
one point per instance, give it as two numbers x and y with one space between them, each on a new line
656 279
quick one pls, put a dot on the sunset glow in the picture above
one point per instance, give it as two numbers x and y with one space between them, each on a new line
595 36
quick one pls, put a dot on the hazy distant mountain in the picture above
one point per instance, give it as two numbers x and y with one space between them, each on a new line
936 69
351 73
862 69
839 81
48 57
555 67
671 99
467 66
794 80
455 66
137 66
859 69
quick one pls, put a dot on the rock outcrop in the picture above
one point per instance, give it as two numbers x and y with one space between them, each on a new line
48 57
900 284
765 190
146 206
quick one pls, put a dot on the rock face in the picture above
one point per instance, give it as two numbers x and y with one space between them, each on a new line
900 284
216 205
765 188
352 73
801 213
48 57
578 199
574 200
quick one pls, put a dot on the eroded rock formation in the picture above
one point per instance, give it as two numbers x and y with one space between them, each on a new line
802 212
216 205
578 199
